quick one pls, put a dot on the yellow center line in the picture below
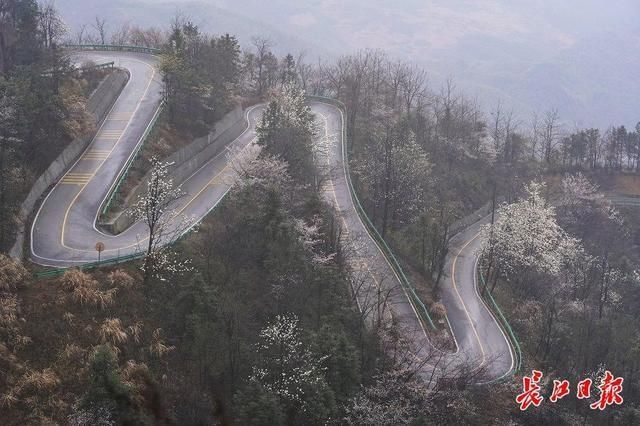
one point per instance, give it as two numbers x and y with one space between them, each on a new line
206 186
120 116
464 306
344 222
114 114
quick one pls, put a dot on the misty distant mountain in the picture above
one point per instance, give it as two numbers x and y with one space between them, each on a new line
580 56
208 17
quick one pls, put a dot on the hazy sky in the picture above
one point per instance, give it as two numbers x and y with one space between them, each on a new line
440 23
580 56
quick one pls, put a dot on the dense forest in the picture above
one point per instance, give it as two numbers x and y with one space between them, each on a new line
43 102
251 319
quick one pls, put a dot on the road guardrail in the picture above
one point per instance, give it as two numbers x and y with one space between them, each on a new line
371 228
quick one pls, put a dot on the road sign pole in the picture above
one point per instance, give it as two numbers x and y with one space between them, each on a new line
99 248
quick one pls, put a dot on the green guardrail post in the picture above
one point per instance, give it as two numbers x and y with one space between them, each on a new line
373 231
112 47
506 325
125 171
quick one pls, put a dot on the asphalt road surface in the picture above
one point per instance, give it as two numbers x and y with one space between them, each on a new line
64 231
481 345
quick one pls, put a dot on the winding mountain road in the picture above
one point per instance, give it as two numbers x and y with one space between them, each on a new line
64 230
480 341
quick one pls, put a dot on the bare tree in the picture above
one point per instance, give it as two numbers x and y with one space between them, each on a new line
511 124
534 139
303 69
100 26
497 129
149 37
413 86
122 35
396 73
51 24
550 133
413 384
445 114
262 48
335 77
80 34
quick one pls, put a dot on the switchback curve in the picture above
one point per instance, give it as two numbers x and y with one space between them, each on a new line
64 231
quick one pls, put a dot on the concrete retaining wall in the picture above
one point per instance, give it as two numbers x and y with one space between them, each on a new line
186 161
105 95
467 221
99 104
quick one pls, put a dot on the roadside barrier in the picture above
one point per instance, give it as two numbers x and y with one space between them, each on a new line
371 228
113 194
50 273
98 105
113 48
493 306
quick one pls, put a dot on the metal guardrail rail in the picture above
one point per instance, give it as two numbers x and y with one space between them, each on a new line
125 171
104 209
373 231
98 66
505 325
113 48
50 273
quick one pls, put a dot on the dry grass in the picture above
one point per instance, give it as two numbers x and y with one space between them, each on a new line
112 331
438 310
8 399
135 331
8 311
74 353
43 380
12 273
85 290
121 279
158 346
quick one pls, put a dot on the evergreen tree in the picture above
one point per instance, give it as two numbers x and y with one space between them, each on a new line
108 392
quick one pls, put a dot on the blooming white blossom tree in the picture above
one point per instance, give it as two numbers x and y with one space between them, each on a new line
287 109
581 198
93 416
527 237
287 368
310 236
263 171
395 170
287 129
155 207
577 189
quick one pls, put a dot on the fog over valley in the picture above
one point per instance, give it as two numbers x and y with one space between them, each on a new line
576 56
